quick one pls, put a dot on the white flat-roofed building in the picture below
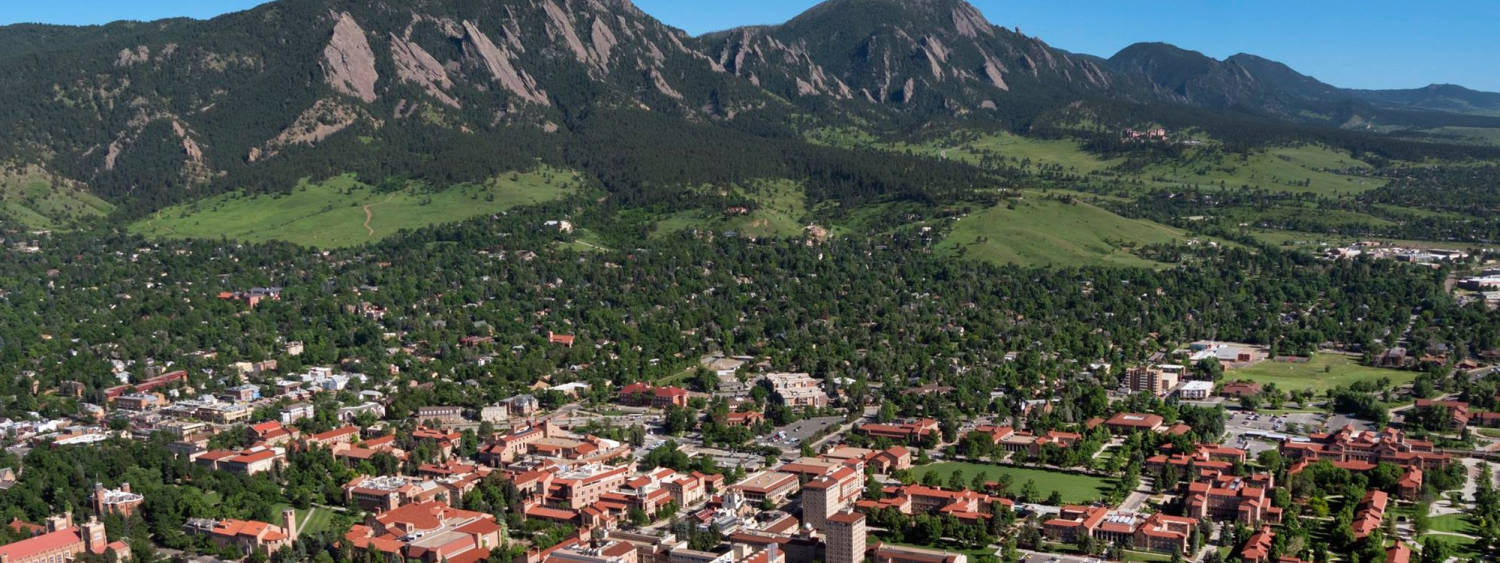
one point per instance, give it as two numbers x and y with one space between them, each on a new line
1196 390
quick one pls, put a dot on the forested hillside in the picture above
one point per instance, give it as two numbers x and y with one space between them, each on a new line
131 119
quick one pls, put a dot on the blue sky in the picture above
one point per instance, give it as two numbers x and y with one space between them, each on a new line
1357 44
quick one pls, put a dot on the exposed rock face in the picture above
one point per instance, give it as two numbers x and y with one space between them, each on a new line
348 63
189 146
604 42
662 85
128 57
321 121
601 42
748 49
115 148
560 23
497 60
195 167
1094 74
417 66
895 52
995 71
969 22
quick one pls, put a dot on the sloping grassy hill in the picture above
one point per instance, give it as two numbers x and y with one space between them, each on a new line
342 211
1473 134
34 200
1065 154
781 212
1042 232
1304 169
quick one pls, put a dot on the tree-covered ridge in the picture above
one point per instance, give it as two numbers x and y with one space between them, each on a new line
451 91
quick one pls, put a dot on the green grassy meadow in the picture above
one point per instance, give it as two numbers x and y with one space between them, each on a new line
1304 169
1074 488
1041 232
333 213
1473 134
1065 154
1323 372
781 212
35 201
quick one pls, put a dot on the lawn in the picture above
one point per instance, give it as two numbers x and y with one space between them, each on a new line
1323 372
342 211
1143 556
1043 232
1455 523
308 520
945 548
1102 461
314 521
1465 545
1075 489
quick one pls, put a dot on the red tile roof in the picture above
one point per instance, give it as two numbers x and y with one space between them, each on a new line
41 544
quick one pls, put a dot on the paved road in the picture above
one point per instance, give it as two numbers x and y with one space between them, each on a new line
1138 497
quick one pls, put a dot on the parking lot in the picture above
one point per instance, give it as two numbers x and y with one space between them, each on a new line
1032 557
794 434
1255 432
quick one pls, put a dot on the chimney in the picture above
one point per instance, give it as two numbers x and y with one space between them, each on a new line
125 487
289 522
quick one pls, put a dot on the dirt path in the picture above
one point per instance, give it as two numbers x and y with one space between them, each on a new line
151 223
370 215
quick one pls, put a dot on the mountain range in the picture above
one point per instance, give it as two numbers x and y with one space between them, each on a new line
146 114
